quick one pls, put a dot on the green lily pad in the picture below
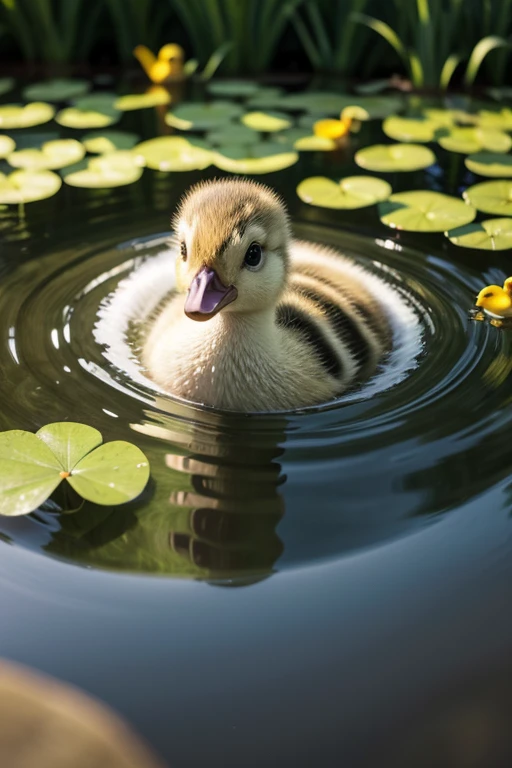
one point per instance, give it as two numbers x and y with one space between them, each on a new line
32 466
447 118
263 157
351 192
101 142
28 186
6 85
410 129
490 164
420 211
99 100
51 156
16 116
114 169
304 141
203 116
500 121
314 101
491 197
372 107
266 122
60 89
7 145
266 98
394 157
470 139
172 153
74 117
488 235
233 88
133 101
231 133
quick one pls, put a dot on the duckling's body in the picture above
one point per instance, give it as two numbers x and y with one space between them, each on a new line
496 301
296 329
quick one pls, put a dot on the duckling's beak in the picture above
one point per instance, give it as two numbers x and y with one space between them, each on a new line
207 295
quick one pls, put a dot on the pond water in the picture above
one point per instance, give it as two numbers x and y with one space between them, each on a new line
330 587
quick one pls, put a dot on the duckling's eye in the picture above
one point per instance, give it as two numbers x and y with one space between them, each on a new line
488 295
253 256
183 250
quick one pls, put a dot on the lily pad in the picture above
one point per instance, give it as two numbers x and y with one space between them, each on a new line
490 164
314 101
172 153
16 116
351 192
371 107
304 141
410 129
488 235
155 97
470 139
114 169
28 186
32 466
51 156
202 116
425 211
500 121
99 100
60 89
263 157
266 98
266 122
491 197
74 117
231 133
101 142
233 88
395 157
7 145
6 85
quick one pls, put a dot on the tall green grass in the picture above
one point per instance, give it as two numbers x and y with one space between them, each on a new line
138 22
433 37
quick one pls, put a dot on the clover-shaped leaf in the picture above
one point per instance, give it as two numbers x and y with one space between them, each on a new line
32 466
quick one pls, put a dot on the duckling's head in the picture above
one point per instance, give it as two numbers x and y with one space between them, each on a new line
233 248
494 299
507 285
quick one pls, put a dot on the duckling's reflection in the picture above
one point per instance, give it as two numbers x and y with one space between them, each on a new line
210 512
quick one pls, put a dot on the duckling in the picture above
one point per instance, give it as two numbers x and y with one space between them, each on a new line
265 323
496 301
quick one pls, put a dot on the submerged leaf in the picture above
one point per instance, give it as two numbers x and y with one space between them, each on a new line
491 197
113 169
488 235
395 157
16 116
51 156
114 473
419 211
351 192
490 164
266 122
28 186
60 89
172 153
202 116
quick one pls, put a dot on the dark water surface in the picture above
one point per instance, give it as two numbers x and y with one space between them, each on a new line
323 588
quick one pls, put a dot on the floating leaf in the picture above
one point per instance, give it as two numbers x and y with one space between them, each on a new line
420 211
314 101
28 186
500 121
351 192
491 197
371 107
488 235
310 143
447 118
410 129
264 157
155 97
490 164
101 142
231 133
395 157
51 156
16 116
266 122
202 116
233 88
7 145
469 140
56 90
6 85
32 466
172 153
266 98
74 117
100 100
114 169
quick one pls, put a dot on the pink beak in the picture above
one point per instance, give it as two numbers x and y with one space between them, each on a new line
207 295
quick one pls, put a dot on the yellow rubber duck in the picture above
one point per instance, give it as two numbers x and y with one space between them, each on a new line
496 301
168 63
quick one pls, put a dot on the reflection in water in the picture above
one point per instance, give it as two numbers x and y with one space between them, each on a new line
213 514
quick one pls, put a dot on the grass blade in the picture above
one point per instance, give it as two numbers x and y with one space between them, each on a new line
480 51
385 31
449 67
